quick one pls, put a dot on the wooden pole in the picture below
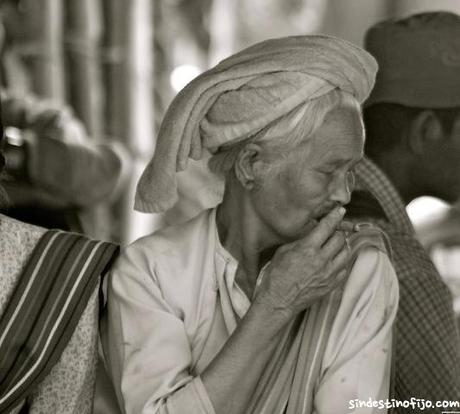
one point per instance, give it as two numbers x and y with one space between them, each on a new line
161 63
43 51
128 74
82 37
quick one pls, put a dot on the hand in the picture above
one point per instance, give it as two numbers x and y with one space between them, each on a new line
60 124
303 271
16 157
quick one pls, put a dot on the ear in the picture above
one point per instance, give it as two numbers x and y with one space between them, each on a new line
425 132
244 165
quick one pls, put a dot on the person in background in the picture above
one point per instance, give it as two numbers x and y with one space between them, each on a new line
412 120
49 303
55 170
57 176
266 303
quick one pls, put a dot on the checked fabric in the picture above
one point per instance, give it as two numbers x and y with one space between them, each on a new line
427 358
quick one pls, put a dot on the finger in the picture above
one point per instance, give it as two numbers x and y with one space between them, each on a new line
346 225
334 245
336 279
340 277
326 226
340 261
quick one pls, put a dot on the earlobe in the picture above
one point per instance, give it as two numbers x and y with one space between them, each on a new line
244 165
425 131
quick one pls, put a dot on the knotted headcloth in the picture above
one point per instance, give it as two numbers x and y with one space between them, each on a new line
242 95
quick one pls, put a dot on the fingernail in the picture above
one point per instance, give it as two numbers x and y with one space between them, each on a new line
342 211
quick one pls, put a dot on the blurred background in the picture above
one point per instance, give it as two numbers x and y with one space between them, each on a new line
117 64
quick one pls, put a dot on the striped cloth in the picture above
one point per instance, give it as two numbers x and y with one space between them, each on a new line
289 381
45 307
427 361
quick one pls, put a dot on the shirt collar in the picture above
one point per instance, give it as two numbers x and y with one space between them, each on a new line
226 273
226 267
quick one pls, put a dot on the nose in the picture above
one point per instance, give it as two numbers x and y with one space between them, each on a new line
342 188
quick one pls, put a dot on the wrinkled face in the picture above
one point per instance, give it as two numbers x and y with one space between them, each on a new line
312 179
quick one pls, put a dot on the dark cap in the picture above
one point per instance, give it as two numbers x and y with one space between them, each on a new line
419 60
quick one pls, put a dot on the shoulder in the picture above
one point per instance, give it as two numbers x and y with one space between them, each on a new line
176 258
371 275
17 241
174 243
371 271
18 232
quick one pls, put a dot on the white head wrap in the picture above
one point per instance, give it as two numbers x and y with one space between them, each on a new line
242 95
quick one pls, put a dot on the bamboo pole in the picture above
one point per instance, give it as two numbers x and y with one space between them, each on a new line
128 87
115 65
223 36
82 36
161 63
114 53
43 52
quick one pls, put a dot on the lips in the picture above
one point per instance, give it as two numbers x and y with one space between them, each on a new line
325 211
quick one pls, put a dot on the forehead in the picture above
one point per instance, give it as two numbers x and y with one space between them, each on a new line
339 138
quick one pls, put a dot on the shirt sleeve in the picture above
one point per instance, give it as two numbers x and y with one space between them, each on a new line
357 361
61 158
149 352
81 174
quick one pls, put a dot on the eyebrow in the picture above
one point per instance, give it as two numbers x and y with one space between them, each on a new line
343 160
337 161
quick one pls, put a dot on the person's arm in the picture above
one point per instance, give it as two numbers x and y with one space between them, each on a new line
79 174
41 115
150 352
58 158
60 174
357 361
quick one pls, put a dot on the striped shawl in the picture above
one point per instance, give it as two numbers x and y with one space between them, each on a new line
44 309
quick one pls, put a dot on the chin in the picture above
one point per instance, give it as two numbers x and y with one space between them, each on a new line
297 232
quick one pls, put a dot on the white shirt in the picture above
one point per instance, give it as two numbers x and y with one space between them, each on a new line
172 304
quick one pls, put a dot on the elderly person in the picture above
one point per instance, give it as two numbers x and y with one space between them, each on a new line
49 285
258 305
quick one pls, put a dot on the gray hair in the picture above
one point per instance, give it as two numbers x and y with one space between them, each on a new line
284 134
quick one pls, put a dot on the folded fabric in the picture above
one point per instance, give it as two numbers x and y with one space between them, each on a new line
242 95
43 311
289 381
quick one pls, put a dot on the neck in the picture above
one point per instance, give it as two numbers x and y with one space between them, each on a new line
399 170
244 236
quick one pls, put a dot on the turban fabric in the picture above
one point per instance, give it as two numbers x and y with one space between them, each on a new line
242 95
